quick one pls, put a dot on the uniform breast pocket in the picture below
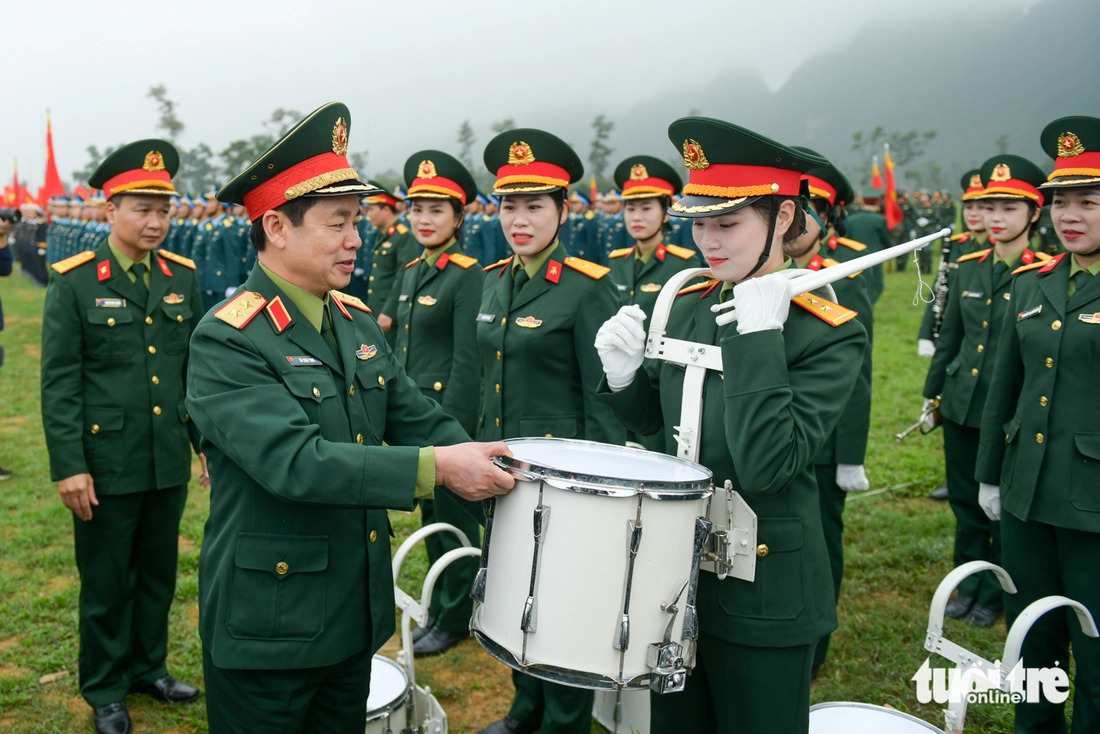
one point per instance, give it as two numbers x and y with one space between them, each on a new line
315 390
550 426
106 333
179 322
1084 488
374 379
278 587
104 440
777 592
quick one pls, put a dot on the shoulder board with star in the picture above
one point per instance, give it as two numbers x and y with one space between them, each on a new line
852 244
242 309
1041 257
1045 263
64 266
700 286
828 262
178 259
591 269
621 252
960 237
349 300
977 254
401 228
497 264
463 261
681 252
412 262
831 313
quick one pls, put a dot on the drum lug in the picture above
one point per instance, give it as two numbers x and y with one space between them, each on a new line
477 592
690 629
541 521
634 540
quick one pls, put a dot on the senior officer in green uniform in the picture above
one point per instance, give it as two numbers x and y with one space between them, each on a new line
786 379
962 366
1039 457
394 246
313 429
115 331
540 310
435 306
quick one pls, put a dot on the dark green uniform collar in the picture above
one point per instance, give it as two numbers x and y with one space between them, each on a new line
312 307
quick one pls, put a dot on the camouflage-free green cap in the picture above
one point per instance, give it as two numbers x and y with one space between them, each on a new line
646 177
826 182
309 160
1074 144
730 166
529 161
433 174
143 167
971 183
1011 177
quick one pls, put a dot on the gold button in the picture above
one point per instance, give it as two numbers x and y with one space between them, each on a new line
761 550
981 347
974 371
373 535
281 568
1056 325
179 318
499 355
405 350
1049 362
149 320
498 421
989 301
498 387
438 386
111 321
1008 296
370 290
381 380
156 410
371 279
359 438
316 392
1038 438
406 327
351 390
155 380
95 428
985 324
549 435
152 349
1043 400
503 321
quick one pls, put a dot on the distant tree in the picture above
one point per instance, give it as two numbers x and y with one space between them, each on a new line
600 153
169 122
95 157
465 144
501 125
905 147
239 153
358 161
198 173
1001 141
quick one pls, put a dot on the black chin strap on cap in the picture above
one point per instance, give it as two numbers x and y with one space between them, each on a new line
772 213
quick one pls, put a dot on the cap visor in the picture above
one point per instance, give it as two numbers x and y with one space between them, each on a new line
1070 182
695 207
347 188
532 188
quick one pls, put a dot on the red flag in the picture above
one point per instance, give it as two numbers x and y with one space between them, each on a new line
876 177
593 192
15 185
53 185
893 210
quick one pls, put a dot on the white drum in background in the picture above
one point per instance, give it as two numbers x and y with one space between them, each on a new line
387 703
590 565
622 712
845 717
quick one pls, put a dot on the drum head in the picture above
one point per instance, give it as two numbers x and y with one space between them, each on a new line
845 717
388 687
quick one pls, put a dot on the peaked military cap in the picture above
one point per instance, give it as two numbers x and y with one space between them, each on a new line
143 167
826 182
433 174
729 166
871 194
381 195
309 160
646 177
1074 144
1011 177
971 184
529 161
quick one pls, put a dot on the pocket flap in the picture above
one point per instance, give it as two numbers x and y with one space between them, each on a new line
433 381
1011 429
952 368
561 426
282 555
108 419
780 534
109 316
315 385
1088 444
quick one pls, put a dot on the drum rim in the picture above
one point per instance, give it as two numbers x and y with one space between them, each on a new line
875 707
394 704
695 489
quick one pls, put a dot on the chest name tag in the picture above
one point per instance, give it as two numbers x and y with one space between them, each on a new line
973 294
1089 318
403 297
303 361
110 303
621 287
1030 313
486 318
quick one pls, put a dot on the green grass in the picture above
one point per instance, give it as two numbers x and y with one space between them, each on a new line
898 546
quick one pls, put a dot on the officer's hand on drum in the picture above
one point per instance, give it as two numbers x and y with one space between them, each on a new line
467 469
761 303
620 343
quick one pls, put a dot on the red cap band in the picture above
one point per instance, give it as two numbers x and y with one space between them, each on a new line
1085 164
274 193
651 185
733 181
538 172
138 178
437 185
1013 186
820 187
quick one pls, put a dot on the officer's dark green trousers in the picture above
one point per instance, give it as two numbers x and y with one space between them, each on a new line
831 498
126 555
451 603
555 708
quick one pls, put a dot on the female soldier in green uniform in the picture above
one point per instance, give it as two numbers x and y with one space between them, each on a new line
540 311
786 379
1040 449
960 369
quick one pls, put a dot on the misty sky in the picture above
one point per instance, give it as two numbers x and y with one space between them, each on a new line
410 72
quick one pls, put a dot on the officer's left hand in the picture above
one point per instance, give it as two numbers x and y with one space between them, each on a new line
204 476
852 478
385 322
762 303
467 469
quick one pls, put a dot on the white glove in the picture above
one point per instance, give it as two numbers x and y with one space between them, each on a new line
852 478
620 342
926 348
989 499
762 303
929 415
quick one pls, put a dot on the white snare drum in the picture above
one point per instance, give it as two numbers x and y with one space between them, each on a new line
845 717
589 566
387 703
622 712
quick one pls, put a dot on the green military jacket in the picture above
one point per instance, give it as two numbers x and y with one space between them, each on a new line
962 367
539 364
764 420
393 247
1040 440
961 244
435 316
868 228
295 564
640 282
113 370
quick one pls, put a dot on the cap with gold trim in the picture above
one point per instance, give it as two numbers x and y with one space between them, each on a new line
1011 177
433 174
729 167
647 177
309 160
971 183
826 182
529 161
144 167
1074 144
381 195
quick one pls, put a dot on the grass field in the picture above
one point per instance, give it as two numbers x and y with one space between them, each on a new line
898 546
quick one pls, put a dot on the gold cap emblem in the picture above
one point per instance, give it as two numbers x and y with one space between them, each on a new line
154 161
426 170
1001 172
340 137
694 158
638 173
1069 145
519 154
976 181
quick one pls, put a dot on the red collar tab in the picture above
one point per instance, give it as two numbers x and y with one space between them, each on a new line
816 262
164 267
1027 256
660 251
833 242
277 314
1052 264
553 271
442 261
103 270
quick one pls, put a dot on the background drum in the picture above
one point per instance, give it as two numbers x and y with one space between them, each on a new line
389 697
844 717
